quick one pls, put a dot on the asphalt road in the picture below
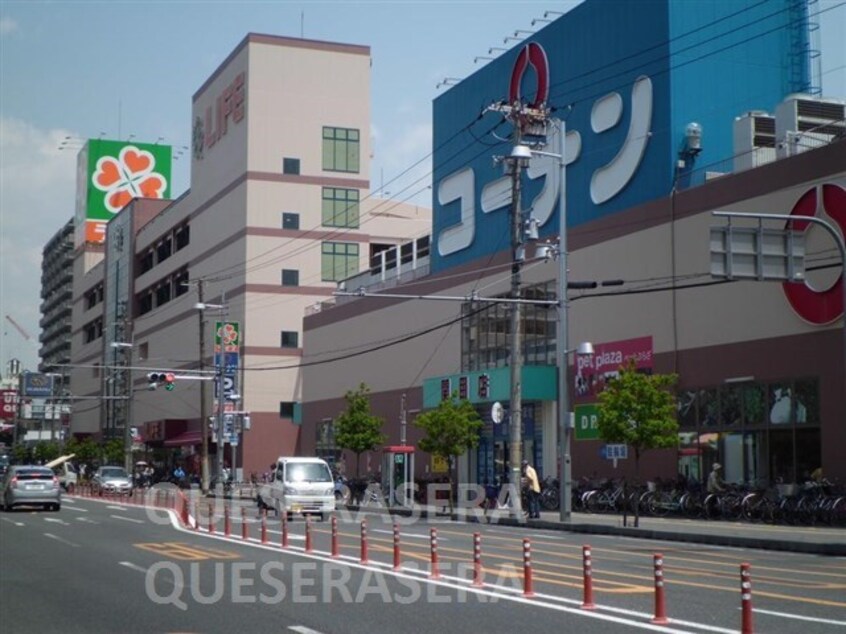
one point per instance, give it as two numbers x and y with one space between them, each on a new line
98 566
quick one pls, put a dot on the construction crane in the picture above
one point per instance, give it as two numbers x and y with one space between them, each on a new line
19 328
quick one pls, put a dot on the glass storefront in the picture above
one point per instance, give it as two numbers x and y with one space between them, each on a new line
493 451
762 433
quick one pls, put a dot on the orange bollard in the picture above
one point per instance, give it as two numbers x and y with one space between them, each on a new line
434 573
746 623
308 534
477 560
264 527
186 521
284 529
335 552
227 521
397 564
211 520
363 557
587 567
528 590
244 533
660 617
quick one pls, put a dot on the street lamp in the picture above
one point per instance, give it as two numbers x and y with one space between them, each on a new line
565 430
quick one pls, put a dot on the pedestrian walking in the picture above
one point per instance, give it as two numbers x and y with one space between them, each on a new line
532 489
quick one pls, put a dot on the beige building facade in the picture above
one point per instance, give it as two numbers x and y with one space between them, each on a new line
278 211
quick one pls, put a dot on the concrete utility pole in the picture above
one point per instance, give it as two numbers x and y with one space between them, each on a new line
516 406
204 423
524 118
402 420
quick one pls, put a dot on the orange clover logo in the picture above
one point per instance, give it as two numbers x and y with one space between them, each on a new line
127 177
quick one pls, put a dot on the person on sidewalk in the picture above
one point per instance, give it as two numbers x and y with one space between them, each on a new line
533 486
715 479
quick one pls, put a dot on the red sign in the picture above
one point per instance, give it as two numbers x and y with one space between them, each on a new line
819 307
8 404
229 103
592 371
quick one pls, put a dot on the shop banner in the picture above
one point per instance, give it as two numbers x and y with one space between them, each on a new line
592 371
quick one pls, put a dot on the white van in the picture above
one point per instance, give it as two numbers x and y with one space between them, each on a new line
300 485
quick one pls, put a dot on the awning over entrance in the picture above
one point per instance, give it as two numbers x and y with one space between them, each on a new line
184 439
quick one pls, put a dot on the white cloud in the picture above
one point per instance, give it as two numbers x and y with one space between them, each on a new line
7 25
37 194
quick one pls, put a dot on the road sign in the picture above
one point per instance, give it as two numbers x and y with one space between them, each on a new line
755 253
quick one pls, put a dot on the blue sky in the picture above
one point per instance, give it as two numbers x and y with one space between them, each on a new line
78 69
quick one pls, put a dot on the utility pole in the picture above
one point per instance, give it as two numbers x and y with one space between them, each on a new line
527 119
516 405
402 419
204 423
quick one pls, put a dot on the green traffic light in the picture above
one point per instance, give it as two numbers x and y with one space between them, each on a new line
169 387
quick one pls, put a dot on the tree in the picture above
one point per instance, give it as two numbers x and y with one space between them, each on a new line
452 428
112 451
639 410
356 428
45 451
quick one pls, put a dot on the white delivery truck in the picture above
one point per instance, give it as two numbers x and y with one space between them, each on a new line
300 486
65 471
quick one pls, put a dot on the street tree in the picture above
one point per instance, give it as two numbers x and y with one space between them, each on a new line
451 429
46 451
112 451
639 410
356 428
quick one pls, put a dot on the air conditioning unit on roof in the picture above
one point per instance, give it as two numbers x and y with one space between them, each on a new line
754 140
804 122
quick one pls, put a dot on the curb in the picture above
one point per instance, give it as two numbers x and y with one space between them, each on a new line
736 541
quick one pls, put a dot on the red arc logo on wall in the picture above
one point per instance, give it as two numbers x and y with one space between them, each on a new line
532 55
818 307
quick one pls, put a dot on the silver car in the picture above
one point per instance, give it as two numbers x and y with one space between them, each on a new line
111 480
30 485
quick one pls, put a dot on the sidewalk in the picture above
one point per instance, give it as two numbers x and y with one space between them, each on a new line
822 540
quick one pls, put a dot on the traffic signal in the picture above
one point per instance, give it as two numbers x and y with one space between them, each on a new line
164 378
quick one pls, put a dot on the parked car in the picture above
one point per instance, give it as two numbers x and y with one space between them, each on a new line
30 485
112 480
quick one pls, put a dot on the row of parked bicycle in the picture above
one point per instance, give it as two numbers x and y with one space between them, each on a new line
806 504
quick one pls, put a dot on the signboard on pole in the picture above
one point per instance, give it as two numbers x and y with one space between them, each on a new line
587 422
8 404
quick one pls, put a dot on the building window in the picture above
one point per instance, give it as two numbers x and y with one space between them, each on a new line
164 249
290 220
182 237
180 283
340 207
290 166
145 263
290 339
338 260
286 409
341 148
145 303
290 277
162 294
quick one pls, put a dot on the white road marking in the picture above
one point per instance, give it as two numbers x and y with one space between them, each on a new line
60 539
56 521
799 617
127 519
133 566
116 508
74 508
6 519
86 520
391 532
302 629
